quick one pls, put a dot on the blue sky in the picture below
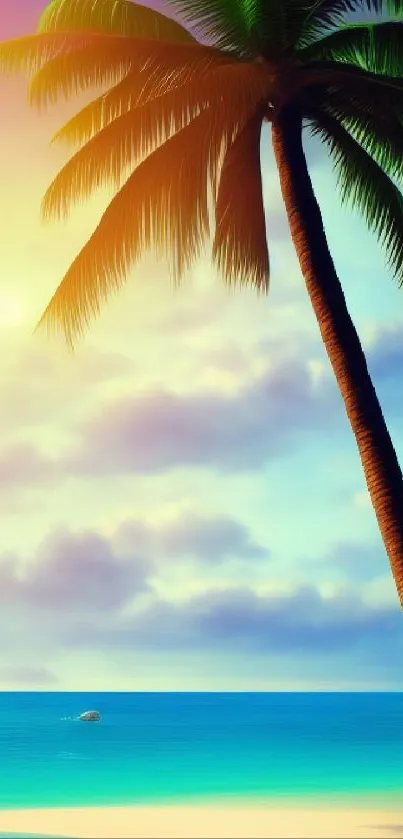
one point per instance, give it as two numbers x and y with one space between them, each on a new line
182 502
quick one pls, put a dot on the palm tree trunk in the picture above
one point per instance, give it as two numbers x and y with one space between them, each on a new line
381 467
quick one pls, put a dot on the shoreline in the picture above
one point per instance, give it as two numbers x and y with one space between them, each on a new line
224 818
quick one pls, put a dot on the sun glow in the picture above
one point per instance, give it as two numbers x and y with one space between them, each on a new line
11 309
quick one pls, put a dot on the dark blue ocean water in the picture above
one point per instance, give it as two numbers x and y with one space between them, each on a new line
167 746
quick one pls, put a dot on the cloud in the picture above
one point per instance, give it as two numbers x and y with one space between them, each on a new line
27 675
43 383
301 622
85 572
353 560
82 592
23 463
74 572
192 313
385 356
133 537
162 430
208 539
385 363
261 418
91 367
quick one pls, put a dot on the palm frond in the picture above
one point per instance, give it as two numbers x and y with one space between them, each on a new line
163 203
114 16
32 52
249 27
240 244
135 89
376 127
110 57
340 73
121 144
365 186
268 28
316 18
377 47
29 53
310 20
381 138
72 72
135 134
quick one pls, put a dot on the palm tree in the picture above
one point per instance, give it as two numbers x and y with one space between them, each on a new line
179 127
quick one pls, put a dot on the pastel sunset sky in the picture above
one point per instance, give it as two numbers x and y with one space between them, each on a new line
182 505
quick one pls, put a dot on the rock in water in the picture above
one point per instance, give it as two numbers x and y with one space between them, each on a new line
90 716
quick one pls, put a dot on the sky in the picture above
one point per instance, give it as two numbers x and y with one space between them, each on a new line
182 505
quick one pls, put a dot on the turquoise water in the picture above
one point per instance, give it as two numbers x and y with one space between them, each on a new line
167 746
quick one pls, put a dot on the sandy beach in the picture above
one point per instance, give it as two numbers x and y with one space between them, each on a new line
235 819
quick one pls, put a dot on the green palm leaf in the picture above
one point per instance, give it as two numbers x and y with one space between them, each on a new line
250 27
308 22
365 186
337 73
320 17
379 132
377 47
381 139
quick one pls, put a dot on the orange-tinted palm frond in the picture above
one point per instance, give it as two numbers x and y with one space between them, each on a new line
104 62
118 16
130 137
240 244
107 156
72 72
134 89
164 203
30 53
138 88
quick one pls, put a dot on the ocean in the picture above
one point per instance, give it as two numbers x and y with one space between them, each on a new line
168 747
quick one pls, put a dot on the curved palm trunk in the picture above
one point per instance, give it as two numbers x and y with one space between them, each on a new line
381 467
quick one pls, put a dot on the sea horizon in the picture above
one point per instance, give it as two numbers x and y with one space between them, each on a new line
161 748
